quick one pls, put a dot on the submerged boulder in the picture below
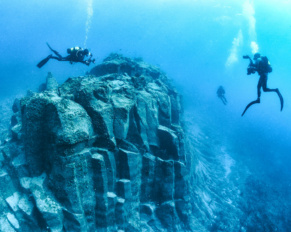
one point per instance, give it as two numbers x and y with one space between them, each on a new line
103 152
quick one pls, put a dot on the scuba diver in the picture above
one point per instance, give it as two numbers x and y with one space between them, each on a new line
261 65
76 54
220 94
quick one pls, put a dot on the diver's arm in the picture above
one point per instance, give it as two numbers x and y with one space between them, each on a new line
87 62
84 62
251 61
252 68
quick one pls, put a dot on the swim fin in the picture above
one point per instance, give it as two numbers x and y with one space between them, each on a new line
44 61
251 103
281 98
54 51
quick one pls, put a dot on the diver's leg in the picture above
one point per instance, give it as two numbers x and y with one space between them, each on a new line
258 99
57 58
222 100
54 51
61 59
67 58
259 86
266 89
44 61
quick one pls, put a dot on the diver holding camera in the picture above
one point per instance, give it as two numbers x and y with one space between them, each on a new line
261 65
251 68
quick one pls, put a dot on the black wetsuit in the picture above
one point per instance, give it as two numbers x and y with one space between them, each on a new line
220 94
76 54
263 71
262 83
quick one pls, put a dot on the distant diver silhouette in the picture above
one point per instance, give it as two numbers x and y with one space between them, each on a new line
76 54
220 94
263 67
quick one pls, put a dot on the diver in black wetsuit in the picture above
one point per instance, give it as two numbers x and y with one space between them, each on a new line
76 54
263 67
220 94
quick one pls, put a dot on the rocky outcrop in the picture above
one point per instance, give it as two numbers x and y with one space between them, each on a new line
103 152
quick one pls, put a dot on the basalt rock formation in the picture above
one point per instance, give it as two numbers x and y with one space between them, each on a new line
103 152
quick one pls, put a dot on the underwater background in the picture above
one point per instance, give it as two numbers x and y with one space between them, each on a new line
198 44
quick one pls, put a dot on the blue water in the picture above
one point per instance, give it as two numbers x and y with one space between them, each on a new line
199 44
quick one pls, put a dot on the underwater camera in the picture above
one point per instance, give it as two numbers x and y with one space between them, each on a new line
251 70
